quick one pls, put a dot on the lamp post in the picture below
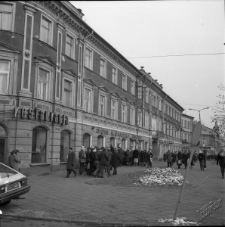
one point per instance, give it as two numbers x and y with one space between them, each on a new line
200 111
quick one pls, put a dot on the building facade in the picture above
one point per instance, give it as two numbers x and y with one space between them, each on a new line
187 130
62 85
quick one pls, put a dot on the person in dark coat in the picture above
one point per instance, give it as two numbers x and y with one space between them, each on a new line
221 161
120 153
13 161
169 158
70 165
201 158
88 161
145 158
141 155
179 159
149 159
115 160
131 157
82 160
185 158
104 162
135 156
92 160
164 157
173 158
97 153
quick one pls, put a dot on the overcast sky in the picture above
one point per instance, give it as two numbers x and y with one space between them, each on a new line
142 30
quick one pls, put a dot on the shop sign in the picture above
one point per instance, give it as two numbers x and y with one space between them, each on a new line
42 115
102 131
136 137
121 134
164 141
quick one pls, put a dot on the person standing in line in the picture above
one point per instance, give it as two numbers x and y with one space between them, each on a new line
221 161
150 158
164 156
82 159
96 162
131 157
104 163
135 156
115 160
88 161
201 160
70 165
169 158
179 159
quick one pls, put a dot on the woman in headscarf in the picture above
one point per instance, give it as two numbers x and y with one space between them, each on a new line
221 161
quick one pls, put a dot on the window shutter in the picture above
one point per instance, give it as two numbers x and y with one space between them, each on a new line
96 94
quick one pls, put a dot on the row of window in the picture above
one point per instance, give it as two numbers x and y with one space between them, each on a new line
186 124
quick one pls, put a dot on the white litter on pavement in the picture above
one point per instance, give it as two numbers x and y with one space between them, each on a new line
157 176
178 221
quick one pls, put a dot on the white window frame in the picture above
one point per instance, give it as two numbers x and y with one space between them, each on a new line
103 71
12 26
99 112
132 118
116 109
124 82
114 81
48 83
72 91
8 74
132 88
73 46
124 120
51 31
90 103
90 65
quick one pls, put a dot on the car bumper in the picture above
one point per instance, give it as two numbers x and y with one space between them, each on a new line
14 194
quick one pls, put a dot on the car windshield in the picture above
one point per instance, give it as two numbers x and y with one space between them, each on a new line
5 171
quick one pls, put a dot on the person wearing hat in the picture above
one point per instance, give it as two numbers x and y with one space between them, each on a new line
70 165
13 160
221 161
82 160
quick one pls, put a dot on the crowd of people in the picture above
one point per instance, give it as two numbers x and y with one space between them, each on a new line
95 161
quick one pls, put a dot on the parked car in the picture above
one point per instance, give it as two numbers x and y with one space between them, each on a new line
12 184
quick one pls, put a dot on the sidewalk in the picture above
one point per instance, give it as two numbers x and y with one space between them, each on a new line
54 197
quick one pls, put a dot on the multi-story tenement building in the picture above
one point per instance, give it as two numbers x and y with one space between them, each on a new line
62 85
187 130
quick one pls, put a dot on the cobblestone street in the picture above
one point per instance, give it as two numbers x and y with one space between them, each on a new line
54 197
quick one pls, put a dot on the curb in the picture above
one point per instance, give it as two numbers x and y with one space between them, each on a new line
78 221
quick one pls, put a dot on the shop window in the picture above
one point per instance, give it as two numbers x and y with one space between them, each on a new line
6 16
100 141
4 76
112 141
123 144
64 145
39 145
86 140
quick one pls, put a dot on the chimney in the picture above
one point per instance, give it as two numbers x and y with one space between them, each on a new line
161 86
142 69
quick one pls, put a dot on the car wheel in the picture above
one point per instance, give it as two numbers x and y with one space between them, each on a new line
5 203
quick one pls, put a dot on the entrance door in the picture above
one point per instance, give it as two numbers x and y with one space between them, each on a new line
2 150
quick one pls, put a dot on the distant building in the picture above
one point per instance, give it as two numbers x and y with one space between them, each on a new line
62 85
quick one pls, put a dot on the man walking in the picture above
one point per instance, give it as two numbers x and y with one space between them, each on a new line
221 161
82 159
70 165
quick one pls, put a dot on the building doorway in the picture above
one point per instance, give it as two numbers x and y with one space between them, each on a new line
3 139
112 141
100 141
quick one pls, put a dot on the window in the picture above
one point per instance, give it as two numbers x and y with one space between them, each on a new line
124 82
139 118
146 95
70 46
123 144
132 87
100 141
87 100
114 76
171 111
164 128
4 76
113 141
64 145
102 105
39 142
153 124
46 30
188 125
67 93
124 113
88 58
86 140
113 109
6 19
160 125
132 116
146 120
160 107
42 91
102 68
140 92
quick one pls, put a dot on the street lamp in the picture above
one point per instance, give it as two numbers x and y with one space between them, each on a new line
200 111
